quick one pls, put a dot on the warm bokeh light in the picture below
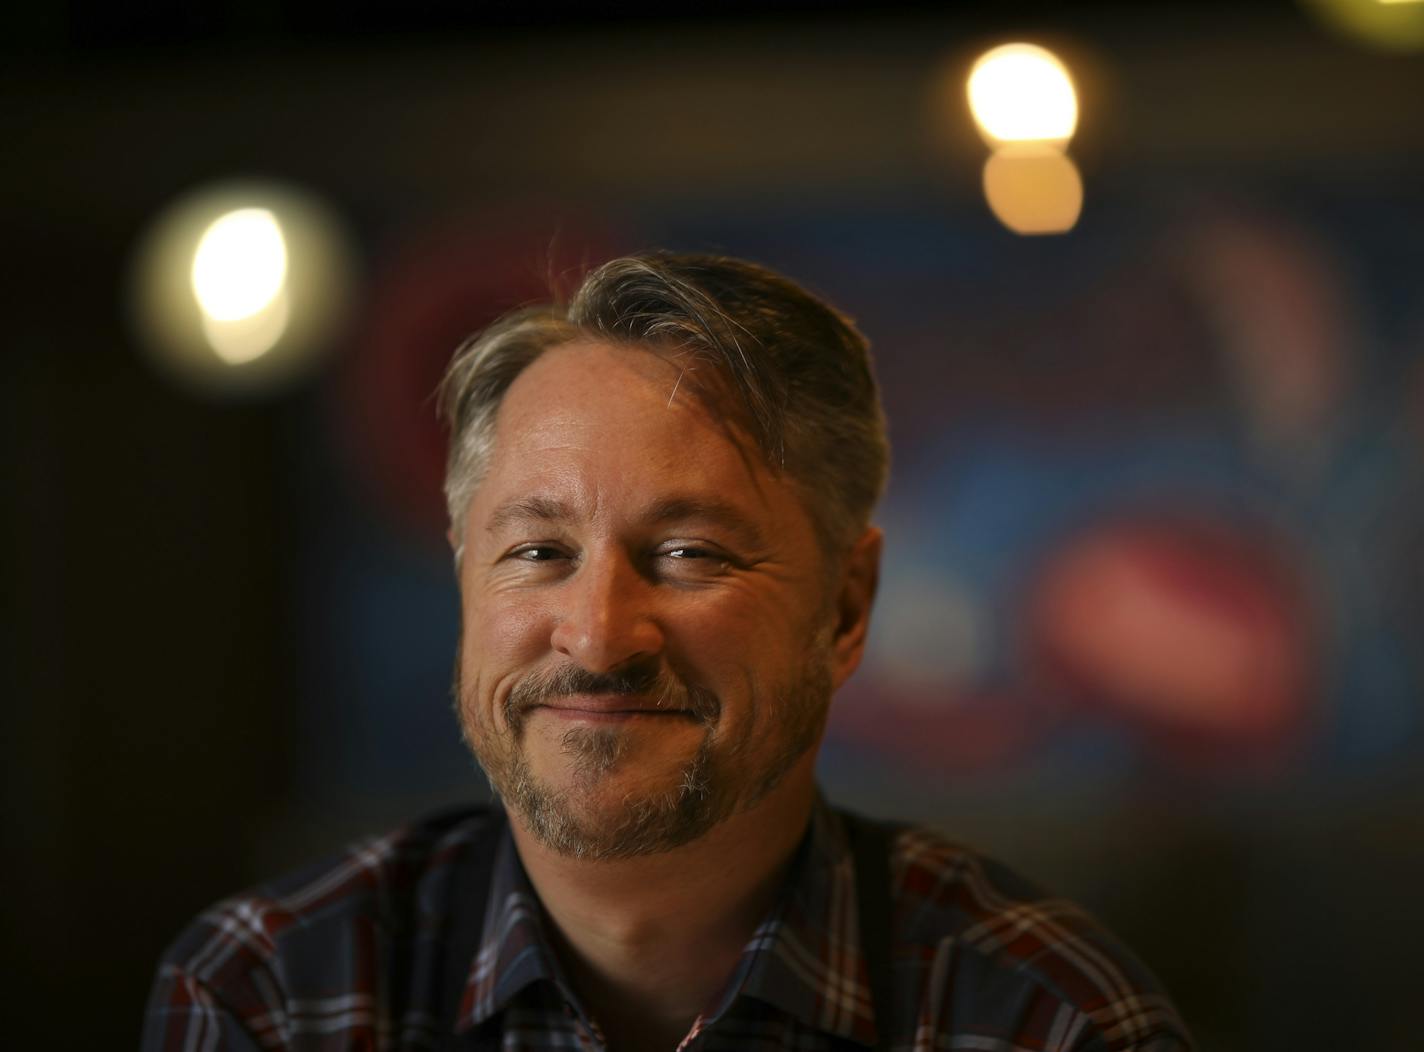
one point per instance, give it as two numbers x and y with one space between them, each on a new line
238 288
240 264
1033 189
1394 25
1023 93
239 341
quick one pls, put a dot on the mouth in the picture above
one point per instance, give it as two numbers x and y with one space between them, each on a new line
609 708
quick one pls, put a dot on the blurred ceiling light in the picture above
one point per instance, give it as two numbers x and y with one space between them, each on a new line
238 341
240 264
238 287
1395 25
1033 188
1022 93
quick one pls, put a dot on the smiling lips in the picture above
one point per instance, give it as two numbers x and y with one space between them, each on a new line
606 707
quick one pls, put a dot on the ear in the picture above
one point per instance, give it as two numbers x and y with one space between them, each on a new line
859 580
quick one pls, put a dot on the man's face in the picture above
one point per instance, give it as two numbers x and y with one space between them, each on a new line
650 641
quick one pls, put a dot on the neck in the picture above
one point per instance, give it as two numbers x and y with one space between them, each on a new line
649 941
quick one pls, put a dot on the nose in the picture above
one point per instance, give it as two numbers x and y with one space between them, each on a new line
605 618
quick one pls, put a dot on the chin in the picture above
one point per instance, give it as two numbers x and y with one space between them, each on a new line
598 810
613 826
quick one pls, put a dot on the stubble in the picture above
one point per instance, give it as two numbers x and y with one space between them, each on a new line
718 781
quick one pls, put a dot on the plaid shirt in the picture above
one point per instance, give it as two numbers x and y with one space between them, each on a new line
365 953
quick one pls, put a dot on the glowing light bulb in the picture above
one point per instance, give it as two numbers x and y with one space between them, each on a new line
240 264
245 339
237 288
1023 93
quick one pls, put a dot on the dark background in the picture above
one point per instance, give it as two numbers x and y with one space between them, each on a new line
1190 430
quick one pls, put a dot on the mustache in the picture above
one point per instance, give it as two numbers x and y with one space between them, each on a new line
650 680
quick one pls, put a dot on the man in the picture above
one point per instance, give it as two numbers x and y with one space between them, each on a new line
659 501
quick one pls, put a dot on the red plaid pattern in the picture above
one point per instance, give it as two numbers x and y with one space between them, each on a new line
356 954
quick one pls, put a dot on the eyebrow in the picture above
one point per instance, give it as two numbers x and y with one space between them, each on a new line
524 509
717 512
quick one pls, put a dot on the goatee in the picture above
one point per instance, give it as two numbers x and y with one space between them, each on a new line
710 787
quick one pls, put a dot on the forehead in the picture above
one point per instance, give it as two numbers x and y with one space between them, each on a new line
602 384
603 425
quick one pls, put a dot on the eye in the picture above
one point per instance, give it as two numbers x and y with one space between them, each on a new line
694 560
536 553
691 552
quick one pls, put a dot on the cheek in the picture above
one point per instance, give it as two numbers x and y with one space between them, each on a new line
736 647
497 635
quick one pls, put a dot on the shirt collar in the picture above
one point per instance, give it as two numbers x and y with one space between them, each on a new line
805 958
514 951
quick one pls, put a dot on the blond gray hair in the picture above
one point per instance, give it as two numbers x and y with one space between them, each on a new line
797 372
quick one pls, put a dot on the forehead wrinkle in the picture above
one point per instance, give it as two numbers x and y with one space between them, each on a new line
525 509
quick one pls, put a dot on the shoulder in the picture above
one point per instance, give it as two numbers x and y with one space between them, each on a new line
328 930
999 954
388 881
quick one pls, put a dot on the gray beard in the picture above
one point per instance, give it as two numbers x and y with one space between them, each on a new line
645 826
712 787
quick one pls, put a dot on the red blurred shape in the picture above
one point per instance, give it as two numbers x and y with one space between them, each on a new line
1197 632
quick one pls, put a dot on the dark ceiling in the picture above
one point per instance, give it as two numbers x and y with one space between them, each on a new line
98 26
